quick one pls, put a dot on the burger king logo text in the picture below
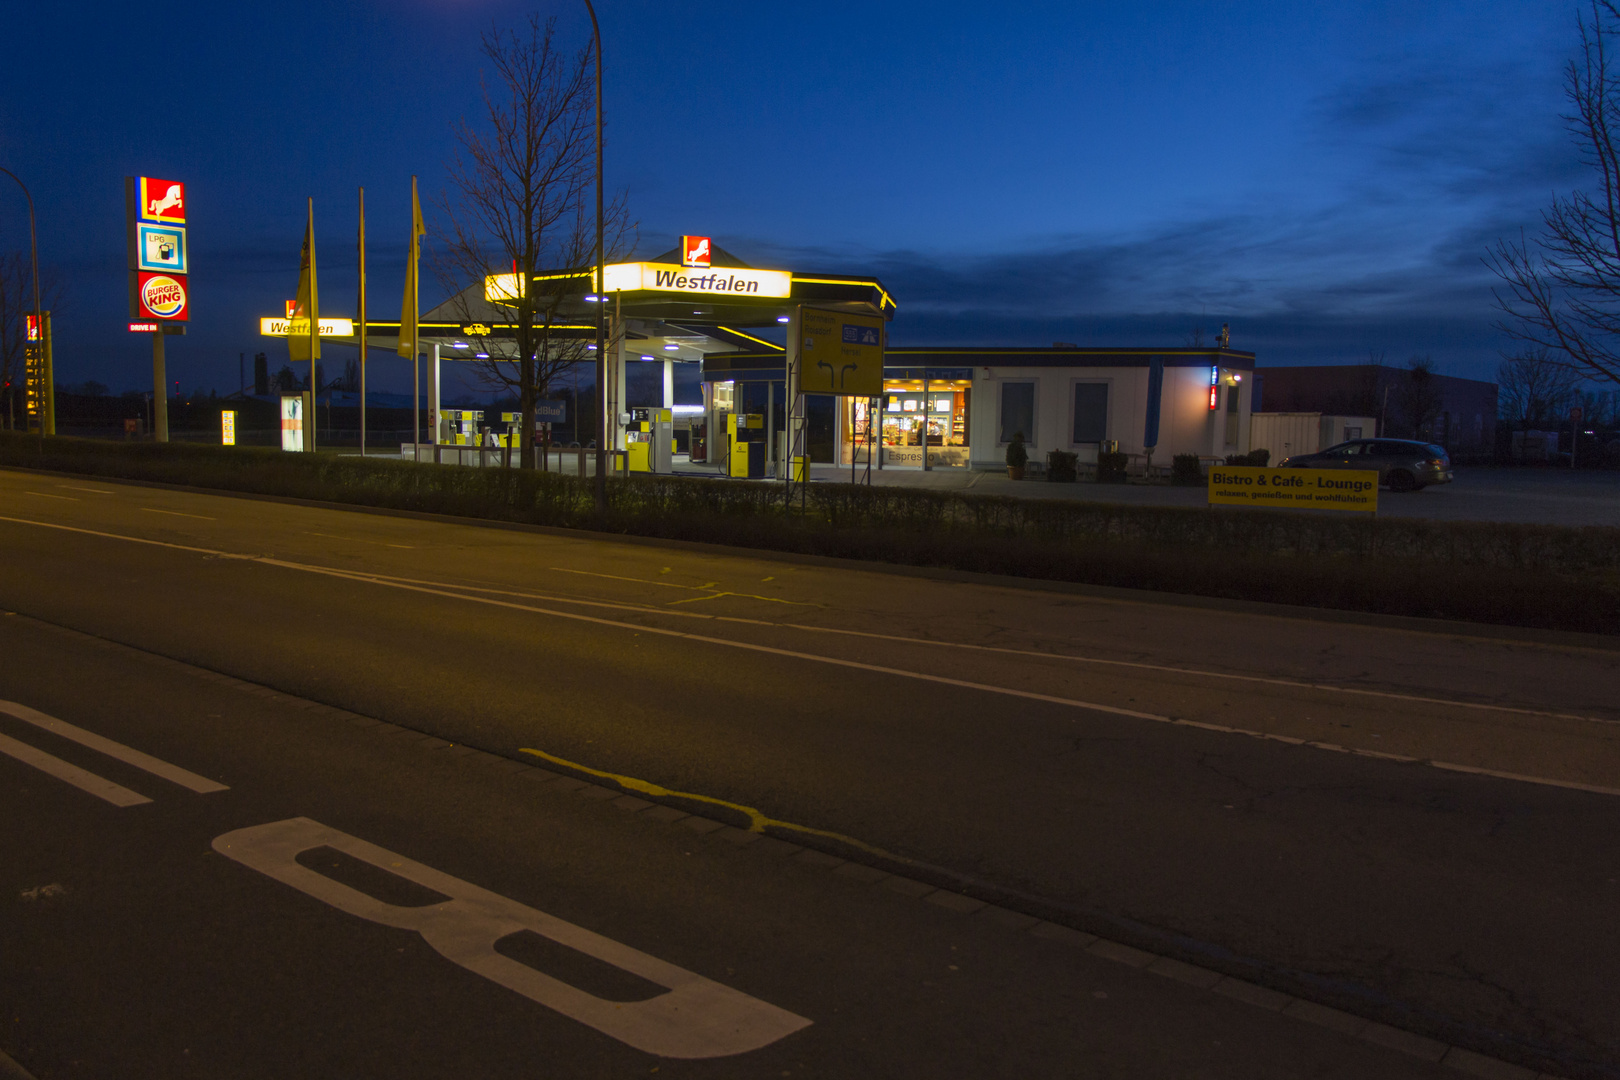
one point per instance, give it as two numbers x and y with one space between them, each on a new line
163 296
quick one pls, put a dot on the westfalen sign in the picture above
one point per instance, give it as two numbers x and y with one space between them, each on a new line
1296 489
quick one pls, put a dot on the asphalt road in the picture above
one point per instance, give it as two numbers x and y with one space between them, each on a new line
201 935
1414 826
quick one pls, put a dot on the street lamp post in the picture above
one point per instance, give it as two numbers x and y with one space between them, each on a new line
33 252
601 299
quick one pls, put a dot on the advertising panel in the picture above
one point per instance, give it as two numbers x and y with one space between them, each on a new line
695 251
842 353
159 259
667 277
161 200
161 296
292 422
161 248
227 427
1294 489
273 327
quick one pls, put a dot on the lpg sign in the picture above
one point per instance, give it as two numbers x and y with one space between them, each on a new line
162 296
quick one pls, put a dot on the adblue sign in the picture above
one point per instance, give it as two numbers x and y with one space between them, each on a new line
1297 489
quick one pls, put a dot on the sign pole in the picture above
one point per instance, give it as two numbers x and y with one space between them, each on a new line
362 322
160 390
47 378
433 404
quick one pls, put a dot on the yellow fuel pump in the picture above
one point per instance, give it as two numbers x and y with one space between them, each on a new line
745 436
648 440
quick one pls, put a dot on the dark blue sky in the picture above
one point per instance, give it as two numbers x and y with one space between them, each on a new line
1323 177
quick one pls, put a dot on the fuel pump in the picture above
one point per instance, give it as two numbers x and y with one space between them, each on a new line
649 439
745 433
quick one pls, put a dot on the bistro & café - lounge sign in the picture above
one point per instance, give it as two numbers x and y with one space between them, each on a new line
1298 489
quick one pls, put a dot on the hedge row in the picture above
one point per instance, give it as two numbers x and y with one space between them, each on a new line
1540 575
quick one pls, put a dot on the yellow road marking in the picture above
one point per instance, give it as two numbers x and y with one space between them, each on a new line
691 588
637 580
176 513
745 595
757 821
358 540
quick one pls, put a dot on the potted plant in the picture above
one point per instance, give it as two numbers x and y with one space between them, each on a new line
1186 471
1062 466
1111 467
1017 456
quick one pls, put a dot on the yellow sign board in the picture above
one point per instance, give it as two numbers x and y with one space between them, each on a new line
842 353
1295 489
328 327
227 427
668 277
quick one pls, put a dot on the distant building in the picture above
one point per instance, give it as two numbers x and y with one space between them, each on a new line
1459 414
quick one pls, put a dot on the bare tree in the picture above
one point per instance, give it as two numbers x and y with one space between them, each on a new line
1420 399
1597 407
524 190
1561 291
1533 390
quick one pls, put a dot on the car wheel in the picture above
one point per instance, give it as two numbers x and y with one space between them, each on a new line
1401 480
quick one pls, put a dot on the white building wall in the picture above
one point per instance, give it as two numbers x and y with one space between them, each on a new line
1187 425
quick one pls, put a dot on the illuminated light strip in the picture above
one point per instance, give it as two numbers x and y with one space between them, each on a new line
446 591
964 350
751 337
884 293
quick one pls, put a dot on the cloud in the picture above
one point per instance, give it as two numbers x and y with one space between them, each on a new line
1410 175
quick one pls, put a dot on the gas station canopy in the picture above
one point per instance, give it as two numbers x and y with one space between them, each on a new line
671 308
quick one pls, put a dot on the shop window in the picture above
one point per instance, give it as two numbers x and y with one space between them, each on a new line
1017 411
1090 412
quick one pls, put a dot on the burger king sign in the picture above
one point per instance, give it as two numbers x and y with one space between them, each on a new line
162 296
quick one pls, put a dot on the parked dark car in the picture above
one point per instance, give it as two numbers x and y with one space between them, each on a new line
1402 464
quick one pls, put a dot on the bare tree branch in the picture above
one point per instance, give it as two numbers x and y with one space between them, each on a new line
523 184
1560 293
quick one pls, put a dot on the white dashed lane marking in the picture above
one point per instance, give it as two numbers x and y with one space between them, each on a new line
84 779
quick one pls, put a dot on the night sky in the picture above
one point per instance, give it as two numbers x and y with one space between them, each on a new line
1325 178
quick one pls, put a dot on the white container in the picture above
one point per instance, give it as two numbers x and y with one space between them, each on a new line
1287 434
